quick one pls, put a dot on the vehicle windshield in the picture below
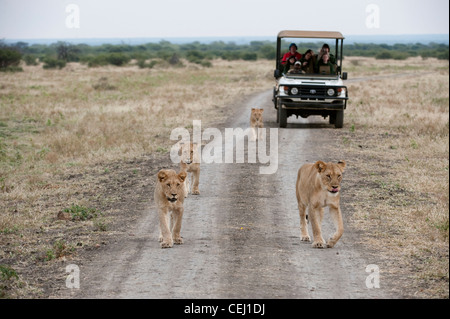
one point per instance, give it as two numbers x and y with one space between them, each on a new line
308 58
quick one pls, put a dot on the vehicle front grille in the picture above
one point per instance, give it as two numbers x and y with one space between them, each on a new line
310 90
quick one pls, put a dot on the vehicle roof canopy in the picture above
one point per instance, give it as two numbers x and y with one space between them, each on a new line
310 34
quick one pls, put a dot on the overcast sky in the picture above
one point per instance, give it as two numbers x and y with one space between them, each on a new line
31 19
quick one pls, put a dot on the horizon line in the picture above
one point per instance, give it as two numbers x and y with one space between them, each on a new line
199 38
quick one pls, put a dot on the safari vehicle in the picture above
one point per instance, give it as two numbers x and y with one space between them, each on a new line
314 93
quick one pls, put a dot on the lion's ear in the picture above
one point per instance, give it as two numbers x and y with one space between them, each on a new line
342 165
320 166
162 175
182 175
262 110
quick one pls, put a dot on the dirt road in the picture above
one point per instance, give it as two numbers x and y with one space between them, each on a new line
241 235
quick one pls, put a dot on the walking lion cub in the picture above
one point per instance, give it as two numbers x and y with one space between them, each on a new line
318 185
190 163
257 124
169 198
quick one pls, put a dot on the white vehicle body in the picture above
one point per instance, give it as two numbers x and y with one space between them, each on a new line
311 94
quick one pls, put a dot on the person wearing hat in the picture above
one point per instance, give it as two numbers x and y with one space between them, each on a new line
297 68
292 52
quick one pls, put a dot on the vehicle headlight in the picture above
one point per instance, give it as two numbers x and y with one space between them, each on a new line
294 91
330 92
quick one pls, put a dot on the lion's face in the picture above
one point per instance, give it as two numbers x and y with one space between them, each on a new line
331 175
189 153
172 184
257 115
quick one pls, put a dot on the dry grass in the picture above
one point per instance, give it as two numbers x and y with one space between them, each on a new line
51 120
62 133
397 134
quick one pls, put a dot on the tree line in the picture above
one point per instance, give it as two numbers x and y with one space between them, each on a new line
57 54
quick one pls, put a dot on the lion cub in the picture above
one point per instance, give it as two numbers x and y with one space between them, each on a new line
256 124
169 198
318 185
190 163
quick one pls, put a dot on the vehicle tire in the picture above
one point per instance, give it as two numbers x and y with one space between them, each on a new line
282 116
339 120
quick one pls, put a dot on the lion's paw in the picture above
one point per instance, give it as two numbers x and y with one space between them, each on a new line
305 238
195 192
331 243
319 244
178 241
167 244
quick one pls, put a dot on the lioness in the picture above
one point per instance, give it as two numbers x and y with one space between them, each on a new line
169 198
319 185
190 163
256 123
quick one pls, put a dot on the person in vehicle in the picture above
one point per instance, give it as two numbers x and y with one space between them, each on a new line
297 68
289 64
292 52
324 65
326 50
308 61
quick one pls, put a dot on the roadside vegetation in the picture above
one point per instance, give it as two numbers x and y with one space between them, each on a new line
56 55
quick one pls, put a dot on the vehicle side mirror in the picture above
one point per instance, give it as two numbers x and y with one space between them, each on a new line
344 76
276 73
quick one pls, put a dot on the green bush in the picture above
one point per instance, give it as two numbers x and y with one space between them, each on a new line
143 64
52 63
118 59
443 55
9 58
30 59
97 60
396 55
268 52
248 56
115 58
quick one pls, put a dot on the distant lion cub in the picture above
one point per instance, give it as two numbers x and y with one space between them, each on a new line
256 123
318 186
190 163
